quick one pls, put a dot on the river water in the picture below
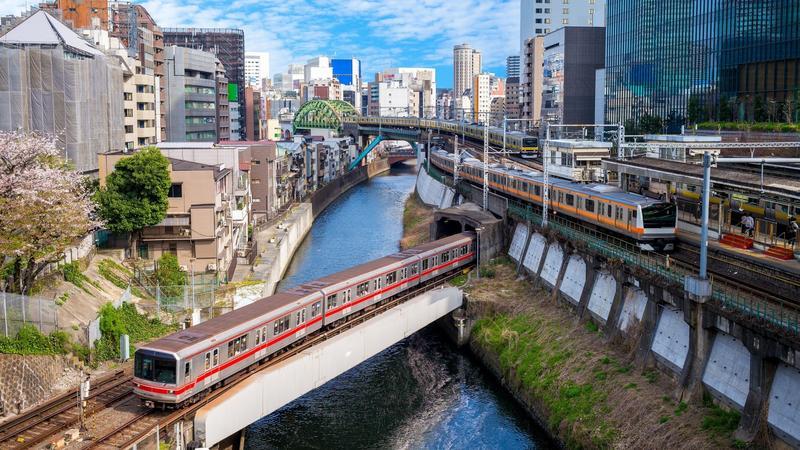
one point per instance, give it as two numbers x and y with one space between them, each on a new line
422 392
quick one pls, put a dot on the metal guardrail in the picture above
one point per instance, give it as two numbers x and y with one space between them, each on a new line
728 296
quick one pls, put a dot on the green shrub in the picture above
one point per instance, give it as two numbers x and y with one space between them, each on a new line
114 322
30 341
170 276
459 280
62 299
73 274
488 272
721 422
110 270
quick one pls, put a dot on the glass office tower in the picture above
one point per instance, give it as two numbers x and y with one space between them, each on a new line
721 59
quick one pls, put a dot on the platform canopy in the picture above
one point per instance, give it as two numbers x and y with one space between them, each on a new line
323 114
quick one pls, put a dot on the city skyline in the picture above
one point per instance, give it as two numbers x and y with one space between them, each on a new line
397 34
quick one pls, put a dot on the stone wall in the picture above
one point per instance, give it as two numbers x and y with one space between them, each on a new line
28 380
752 370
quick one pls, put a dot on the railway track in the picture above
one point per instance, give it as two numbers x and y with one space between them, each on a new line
146 421
36 425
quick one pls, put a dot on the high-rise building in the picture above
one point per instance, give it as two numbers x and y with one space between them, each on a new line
318 68
140 89
62 85
191 78
348 72
390 98
228 45
486 87
466 64
223 104
538 18
137 30
732 60
571 57
256 68
531 81
512 66
512 105
422 82
80 14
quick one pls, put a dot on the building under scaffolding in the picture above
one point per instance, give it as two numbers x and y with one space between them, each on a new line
54 81
228 45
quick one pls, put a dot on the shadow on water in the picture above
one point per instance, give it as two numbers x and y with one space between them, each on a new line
419 393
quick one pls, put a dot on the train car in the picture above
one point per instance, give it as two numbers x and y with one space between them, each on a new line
650 223
181 367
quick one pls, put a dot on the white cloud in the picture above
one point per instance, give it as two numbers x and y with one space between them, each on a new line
382 33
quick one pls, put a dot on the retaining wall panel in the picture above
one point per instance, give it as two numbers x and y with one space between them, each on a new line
671 341
783 415
552 264
533 257
603 292
518 242
574 280
632 308
727 371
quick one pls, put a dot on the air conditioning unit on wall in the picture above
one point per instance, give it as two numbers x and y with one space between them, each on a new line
212 268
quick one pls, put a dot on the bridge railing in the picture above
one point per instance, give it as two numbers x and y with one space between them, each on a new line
726 296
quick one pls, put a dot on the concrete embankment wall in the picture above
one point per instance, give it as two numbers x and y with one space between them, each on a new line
331 191
432 192
704 349
275 260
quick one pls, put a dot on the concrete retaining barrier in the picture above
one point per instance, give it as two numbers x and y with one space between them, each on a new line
432 192
552 265
727 372
632 308
671 341
518 242
574 281
783 415
602 298
533 257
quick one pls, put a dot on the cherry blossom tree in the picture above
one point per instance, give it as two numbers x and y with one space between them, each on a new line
44 207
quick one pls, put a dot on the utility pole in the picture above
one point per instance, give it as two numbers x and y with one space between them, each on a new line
485 165
505 121
83 395
545 175
456 160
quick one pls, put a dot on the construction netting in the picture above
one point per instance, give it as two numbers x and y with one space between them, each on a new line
77 98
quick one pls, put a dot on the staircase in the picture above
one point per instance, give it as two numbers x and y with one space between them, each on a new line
737 241
783 253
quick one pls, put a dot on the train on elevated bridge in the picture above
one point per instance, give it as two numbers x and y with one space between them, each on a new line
183 367
515 142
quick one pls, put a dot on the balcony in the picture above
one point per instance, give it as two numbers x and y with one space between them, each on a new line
238 216
167 233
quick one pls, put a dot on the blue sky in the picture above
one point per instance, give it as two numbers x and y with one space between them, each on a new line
382 33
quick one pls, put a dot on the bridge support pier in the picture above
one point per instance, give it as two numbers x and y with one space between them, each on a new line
698 292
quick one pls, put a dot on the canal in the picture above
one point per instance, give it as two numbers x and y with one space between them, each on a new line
420 393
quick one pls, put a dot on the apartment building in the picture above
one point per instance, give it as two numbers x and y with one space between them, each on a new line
198 228
191 87
223 104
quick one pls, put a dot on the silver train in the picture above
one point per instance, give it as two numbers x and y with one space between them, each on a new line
181 367
650 223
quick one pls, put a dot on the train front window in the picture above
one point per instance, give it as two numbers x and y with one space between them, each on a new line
529 142
661 215
155 368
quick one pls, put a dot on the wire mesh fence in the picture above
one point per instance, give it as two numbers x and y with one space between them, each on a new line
18 310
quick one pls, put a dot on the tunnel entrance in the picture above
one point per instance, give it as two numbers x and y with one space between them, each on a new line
447 227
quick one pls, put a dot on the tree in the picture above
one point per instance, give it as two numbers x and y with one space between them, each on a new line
135 194
650 124
759 110
45 207
171 278
694 111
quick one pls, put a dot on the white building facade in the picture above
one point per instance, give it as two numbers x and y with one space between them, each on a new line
256 68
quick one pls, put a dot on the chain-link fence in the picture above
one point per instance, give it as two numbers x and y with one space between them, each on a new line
17 310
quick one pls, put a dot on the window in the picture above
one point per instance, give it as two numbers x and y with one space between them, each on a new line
570 200
564 21
258 336
315 309
281 325
425 264
538 10
175 190
413 269
547 20
215 361
161 368
332 301
391 278
565 10
589 205
263 334
445 257
610 210
208 361
538 20
362 289
187 369
301 316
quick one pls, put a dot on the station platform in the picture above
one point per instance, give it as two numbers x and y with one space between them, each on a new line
754 256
